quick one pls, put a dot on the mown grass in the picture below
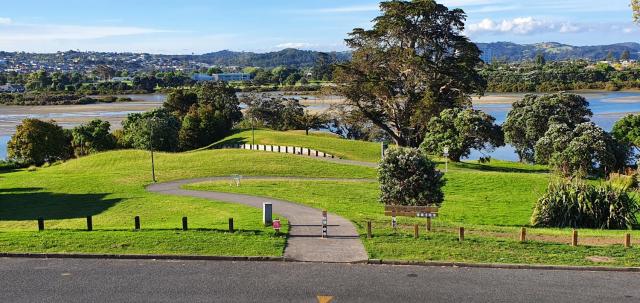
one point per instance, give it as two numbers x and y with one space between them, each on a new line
322 141
111 188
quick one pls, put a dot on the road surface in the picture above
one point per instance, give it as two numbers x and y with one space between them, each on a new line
83 280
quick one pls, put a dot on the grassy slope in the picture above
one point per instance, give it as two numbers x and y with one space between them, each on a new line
110 186
346 149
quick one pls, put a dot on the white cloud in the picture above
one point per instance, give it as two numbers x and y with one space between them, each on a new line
294 45
521 26
5 21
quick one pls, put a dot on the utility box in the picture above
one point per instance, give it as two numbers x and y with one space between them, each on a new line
267 214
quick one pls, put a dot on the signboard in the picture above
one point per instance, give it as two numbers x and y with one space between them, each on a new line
236 179
411 211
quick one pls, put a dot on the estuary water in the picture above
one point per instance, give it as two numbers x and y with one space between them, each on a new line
608 107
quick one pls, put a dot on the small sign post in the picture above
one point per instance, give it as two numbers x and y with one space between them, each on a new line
427 212
236 179
276 225
324 224
267 214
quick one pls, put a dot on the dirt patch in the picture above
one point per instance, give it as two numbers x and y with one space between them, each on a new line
600 259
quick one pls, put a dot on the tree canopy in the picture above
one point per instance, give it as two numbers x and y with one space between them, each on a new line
92 137
414 63
531 117
37 142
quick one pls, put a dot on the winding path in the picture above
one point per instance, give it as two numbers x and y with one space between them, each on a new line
304 241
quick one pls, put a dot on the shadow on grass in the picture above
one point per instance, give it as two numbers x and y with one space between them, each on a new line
504 169
22 204
228 142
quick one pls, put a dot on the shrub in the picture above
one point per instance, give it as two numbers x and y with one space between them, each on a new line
624 182
36 142
407 177
577 204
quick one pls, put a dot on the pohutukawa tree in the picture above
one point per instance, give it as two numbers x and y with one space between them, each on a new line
413 64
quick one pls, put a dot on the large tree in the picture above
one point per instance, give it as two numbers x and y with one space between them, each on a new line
460 131
37 142
414 63
531 117
158 126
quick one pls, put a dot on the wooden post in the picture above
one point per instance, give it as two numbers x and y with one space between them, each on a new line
278 148
574 238
429 224
136 221
308 152
89 223
461 234
627 240
230 225
523 234
416 231
316 153
369 233
184 223
41 224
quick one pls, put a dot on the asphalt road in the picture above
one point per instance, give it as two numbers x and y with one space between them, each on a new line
77 280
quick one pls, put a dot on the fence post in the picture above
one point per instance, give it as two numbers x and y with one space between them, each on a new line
308 152
316 153
523 234
461 234
416 231
369 233
574 238
627 240
231 225
40 223
89 223
136 221
184 223
428 224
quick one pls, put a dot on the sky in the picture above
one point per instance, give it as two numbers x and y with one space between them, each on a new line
200 26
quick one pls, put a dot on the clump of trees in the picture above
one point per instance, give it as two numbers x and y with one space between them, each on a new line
37 142
92 137
279 113
408 177
157 128
580 205
584 150
413 64
461 130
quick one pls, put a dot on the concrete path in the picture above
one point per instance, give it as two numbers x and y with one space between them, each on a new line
304 242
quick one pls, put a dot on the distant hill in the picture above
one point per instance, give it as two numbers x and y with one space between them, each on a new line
287 57
555 51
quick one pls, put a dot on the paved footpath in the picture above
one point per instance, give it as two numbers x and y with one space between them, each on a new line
304 242
77 280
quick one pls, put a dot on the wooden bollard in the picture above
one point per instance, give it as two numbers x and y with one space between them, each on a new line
574 238
369 233
461 234
231 225
416 231
523 234
428 224
627 240
136 223
308 152
185 226
89 223
316 153
41 224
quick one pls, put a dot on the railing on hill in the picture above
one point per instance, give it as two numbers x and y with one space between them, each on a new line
295 150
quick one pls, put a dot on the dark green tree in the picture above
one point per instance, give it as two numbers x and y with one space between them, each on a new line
413 64
460 131
531 117
407 177
627 129
180 101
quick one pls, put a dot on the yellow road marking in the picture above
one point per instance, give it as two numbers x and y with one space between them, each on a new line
324 299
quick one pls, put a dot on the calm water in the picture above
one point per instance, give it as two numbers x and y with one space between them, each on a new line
607 107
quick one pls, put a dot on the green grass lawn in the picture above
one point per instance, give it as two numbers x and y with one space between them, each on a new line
110 187
322 141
